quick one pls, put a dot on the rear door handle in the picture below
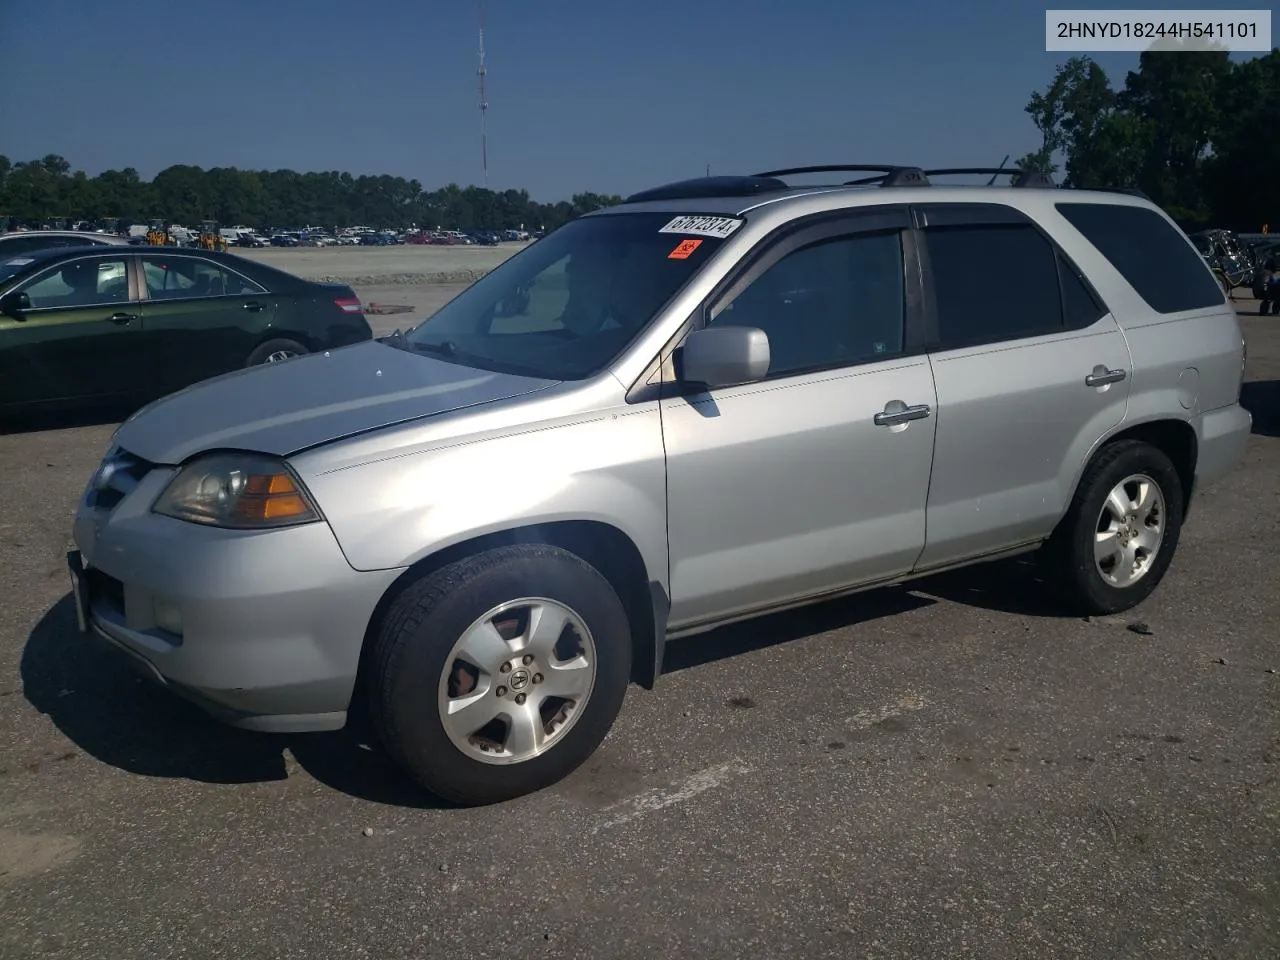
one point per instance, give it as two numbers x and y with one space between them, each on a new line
122 319
896 412
253 306
1101 376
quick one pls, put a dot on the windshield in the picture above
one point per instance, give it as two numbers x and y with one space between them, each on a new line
566 306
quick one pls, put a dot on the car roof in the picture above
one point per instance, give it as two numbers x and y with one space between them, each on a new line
54 253
737 196
109 238
240 264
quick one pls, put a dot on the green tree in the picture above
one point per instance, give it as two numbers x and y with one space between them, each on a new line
1241 185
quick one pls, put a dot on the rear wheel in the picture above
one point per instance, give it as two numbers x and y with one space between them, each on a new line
1118 538
499 674
275 351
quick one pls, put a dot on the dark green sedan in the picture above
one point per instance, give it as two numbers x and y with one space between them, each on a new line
99 325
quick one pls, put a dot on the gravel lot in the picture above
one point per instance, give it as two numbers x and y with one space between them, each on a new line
949 770
394 265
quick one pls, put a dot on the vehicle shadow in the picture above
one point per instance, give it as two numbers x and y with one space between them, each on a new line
1015 586
121 719
777 628
101 704
1262 399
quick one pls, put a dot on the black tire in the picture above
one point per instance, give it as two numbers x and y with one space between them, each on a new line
1068 557
278 345
413 647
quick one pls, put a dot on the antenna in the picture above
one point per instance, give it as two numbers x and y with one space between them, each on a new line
484 102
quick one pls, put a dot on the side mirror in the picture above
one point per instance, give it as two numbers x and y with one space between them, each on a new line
14 305
724 356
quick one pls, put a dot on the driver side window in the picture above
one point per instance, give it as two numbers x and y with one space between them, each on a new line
80 283
832 303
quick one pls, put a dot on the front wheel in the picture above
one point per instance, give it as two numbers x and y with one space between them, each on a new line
499 674
1119 535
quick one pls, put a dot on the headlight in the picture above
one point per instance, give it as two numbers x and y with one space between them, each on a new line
240 490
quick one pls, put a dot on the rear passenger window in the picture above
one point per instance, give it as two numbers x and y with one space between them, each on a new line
171 278
993 282
1151 254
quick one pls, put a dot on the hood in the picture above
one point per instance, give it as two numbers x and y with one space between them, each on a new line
281 408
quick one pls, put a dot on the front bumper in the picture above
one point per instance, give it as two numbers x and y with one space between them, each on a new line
272 622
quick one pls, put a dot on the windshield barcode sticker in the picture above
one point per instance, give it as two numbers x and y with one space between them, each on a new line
705 226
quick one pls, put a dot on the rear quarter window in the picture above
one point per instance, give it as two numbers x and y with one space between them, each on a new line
1151 254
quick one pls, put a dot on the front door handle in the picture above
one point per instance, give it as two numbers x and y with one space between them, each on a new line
896 412
1101 376
122 319
253 306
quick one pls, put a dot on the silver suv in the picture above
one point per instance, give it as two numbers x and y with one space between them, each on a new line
719 398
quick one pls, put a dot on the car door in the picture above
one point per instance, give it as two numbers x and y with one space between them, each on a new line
74 340
816 477
1031 370
200 318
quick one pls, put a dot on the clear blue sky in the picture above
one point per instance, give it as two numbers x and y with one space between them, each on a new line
604 95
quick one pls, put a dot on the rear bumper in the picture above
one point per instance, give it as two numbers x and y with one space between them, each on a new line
1222 435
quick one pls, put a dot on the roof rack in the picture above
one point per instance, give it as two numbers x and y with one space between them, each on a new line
885 175
1021 178
889 174
710 187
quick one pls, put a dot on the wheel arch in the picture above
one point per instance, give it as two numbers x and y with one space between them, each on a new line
1174 437
600 544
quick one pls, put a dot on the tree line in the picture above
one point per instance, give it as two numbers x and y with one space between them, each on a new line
34 191
1196 132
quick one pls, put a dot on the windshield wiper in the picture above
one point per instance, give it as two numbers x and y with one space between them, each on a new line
445 348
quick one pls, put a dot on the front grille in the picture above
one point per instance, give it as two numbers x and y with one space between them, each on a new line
116 478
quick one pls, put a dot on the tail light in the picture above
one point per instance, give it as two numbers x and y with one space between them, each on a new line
347 305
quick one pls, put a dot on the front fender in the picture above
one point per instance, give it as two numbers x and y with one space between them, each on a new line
610 468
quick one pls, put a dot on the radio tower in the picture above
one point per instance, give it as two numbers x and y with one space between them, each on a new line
484 102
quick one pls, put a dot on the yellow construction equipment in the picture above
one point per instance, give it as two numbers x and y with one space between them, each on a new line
210 238
158 234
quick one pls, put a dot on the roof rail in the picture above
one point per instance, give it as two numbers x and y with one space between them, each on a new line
1021 178
709 187
889 174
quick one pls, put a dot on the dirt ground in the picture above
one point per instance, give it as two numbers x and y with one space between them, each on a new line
404 264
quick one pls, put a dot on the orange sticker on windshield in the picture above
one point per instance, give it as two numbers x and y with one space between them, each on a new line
684 250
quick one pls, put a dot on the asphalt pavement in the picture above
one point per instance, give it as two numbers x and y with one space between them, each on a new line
949 769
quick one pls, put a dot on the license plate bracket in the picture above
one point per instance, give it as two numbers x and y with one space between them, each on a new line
79 589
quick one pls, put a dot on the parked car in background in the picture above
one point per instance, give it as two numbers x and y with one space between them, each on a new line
85 325
719 399
28 241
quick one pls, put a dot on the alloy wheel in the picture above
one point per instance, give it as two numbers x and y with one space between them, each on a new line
517 680
1130 530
